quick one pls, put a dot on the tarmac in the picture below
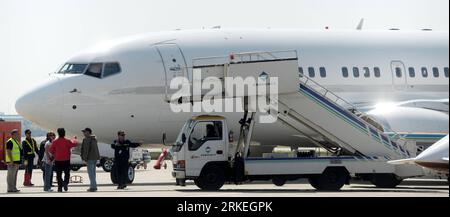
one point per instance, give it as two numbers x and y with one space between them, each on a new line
159 183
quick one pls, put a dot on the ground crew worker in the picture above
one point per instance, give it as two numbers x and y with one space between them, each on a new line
48 163
121 148
42 150
61 150
90 154
29 146
13 160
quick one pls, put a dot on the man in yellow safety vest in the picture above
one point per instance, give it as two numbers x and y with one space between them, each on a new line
13 159
29 146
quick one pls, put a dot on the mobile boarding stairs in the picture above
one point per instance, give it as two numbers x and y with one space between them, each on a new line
303 103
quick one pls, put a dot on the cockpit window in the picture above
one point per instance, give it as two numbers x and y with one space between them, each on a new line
111 69
71 68
95 70
98 70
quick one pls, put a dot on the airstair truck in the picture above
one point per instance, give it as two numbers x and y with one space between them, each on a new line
203 151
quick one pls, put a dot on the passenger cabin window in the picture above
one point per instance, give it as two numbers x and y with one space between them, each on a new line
111 69
311 72
377 72
203 132
366 72
345 72
435 72
72 68
398 72
412 72
446 72
95 70
356 72
300 71
424 72
323 72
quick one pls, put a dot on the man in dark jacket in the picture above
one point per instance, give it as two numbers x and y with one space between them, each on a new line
121 148
90 154
29 149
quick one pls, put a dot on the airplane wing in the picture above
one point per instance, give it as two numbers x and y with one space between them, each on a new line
403 161
440 105
445 158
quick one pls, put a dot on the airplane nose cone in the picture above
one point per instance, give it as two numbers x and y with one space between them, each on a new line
22 105
42 104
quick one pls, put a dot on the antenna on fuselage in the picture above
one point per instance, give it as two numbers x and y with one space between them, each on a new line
360 24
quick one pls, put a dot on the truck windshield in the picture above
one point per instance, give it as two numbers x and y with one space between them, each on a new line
186 127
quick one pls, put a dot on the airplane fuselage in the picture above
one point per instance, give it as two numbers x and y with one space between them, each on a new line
363 67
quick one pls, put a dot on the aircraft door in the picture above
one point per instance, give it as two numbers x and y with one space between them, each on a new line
398 75
174 64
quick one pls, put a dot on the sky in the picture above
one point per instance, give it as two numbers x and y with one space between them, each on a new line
36 37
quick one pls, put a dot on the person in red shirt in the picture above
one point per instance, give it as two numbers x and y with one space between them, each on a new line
61 150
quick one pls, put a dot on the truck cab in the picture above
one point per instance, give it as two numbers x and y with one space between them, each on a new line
201 151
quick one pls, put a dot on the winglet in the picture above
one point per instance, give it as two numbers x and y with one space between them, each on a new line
360 24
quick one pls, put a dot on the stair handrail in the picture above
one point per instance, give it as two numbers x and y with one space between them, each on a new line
353 110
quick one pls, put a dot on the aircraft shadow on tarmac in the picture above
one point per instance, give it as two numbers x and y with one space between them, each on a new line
359 187
405 188
244 191
265 191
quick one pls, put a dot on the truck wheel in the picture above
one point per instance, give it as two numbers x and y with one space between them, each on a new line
332 179
314 182
198 183
279 181
113 175
131 174
107 165
385 180
211 179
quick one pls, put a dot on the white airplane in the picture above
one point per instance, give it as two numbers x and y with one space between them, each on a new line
124 84
435 157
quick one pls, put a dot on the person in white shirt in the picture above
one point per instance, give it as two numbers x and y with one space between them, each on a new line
48 163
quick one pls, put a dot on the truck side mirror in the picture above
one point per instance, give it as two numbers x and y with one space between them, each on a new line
183 138
164 139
